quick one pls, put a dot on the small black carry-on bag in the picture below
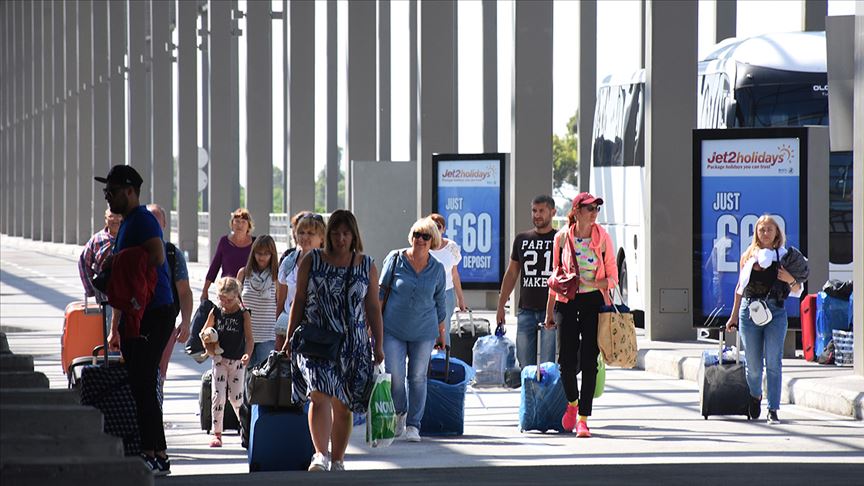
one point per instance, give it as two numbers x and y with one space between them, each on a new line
723 382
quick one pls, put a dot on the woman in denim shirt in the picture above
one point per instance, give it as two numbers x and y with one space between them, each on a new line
413 320
762 278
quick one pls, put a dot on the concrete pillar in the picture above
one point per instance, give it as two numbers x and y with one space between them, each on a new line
162 121
300 166
671 51
384 110
333 169
12 82
101 104
4 120
360 103
725 19
49 109
858 188
490 76
224 186
814 13
436 130
71 212
39 116
259 113
87 222
413 73
21 124
26 230
587 87
531 160
139 122
57 199
117 49
187 128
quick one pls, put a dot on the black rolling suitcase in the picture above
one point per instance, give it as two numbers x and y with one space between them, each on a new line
105 386
723 386
205 401
464 333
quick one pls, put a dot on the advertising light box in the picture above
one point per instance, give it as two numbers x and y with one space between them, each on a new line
740 175
469 193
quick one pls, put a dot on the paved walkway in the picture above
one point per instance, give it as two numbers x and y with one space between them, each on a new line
644 417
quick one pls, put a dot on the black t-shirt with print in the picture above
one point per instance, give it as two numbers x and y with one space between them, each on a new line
231 336
533 251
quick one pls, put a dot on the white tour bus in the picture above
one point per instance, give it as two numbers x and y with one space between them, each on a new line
772 80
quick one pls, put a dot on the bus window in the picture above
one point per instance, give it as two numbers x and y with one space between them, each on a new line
840 214
776 105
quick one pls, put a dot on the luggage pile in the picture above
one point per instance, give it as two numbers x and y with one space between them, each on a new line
464 332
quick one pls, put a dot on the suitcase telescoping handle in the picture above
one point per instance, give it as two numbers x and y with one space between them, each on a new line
87 309
105 324
737 346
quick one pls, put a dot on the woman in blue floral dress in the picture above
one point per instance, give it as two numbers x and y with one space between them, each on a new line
336 388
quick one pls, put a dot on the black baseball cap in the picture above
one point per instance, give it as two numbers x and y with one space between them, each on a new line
122 175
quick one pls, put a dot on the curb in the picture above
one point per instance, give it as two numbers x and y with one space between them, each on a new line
816 393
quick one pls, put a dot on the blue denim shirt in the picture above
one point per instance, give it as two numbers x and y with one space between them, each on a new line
416 302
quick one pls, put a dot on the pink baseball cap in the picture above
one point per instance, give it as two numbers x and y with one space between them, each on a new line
585 198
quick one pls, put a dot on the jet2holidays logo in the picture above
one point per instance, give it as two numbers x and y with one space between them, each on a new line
468 173
750 157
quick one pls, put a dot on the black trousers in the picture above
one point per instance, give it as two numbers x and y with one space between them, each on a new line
142 355
577 346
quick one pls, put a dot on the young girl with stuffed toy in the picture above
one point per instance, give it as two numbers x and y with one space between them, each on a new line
258 280
233 324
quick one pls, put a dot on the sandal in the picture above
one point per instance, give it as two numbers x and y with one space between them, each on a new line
216 442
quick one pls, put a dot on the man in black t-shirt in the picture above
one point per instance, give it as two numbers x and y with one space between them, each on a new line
532 259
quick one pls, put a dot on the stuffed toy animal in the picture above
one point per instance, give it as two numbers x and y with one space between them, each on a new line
210 339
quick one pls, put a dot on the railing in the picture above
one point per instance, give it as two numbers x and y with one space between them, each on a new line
280 226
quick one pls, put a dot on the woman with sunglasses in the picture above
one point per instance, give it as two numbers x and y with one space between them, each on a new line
412 296
576 318
233 250
449 254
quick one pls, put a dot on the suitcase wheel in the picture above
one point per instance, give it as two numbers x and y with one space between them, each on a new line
706 417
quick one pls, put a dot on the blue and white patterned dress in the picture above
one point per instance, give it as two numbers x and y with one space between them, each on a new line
348 378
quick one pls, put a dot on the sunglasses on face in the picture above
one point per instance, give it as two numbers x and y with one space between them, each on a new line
109 192
592 208
424 236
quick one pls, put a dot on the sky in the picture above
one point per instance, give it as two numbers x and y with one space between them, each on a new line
618 51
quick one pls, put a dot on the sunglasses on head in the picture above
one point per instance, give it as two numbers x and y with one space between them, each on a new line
316 217
424 236
594 208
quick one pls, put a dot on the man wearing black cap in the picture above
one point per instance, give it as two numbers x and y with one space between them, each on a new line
142 354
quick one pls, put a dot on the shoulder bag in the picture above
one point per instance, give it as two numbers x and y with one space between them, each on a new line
389 286
565 281
319 341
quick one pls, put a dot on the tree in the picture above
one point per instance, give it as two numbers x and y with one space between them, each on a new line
321 189
565 156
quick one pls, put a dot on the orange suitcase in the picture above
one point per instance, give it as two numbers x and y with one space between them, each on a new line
82 331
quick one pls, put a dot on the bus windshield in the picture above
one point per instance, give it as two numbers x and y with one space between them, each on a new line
780 105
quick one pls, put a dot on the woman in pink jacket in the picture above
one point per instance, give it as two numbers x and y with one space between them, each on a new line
592 253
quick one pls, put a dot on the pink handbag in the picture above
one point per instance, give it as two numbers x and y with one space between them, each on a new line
565 281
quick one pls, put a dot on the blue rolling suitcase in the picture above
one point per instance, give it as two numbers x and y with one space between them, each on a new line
543 401
444 413
831 313
279 439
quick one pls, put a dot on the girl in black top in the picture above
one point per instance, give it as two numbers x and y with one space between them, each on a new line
233 323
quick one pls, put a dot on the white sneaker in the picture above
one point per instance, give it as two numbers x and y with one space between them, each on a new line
320 462
337 466
412 434
400 424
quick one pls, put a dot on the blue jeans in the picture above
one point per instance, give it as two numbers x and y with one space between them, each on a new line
449 305
418 354
764 344
261 351
526 338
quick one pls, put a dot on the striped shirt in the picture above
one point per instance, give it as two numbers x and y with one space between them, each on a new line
91 260
259 296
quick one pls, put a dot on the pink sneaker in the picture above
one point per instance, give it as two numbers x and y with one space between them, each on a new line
582 429
568 421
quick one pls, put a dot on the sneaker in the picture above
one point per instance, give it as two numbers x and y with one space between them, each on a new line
412 434
755 409
773 419
163 465
582 429
320 462
568 421
337 465
151 464
400 424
